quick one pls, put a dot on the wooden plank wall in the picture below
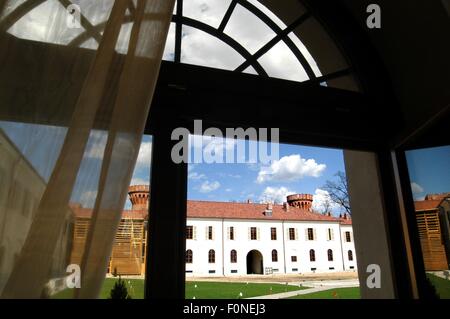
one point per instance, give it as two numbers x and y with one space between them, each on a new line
128 253
432 241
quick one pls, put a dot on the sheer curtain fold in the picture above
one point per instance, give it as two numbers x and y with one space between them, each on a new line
113 101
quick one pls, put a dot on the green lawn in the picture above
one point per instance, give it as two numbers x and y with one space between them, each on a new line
135 289
199 290
338 293
229 290
441 285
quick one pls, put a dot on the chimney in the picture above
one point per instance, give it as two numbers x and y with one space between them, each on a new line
269 208
286 206
249 201
345 216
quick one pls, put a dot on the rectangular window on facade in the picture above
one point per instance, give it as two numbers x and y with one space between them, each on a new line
292 234
231 233
273 233
330 235
253 233
293 258
310 234
189 256
189 232
348 237
210 233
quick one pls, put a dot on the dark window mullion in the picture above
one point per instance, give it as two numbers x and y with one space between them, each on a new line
330 76
280 36
221 36
227 16
178 32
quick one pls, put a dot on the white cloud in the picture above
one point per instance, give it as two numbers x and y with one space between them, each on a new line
145 154
87 199
290 168
228 190
320 199
208 186
275 194
96 144
196 176
416 188
210 148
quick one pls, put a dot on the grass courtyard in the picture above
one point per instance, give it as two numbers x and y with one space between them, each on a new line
199 290
441 285
232 290
337 293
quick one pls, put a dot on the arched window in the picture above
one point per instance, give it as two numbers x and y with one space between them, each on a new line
312 255
330 255
350 255
211 256
219 29
274 255
189 256
233 256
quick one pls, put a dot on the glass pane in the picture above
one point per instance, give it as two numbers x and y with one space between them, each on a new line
320 45
200 48
268 13
10 6
128 257
90 10
248 29
305 53
210 12
257 228
285 17
169 49
250 70
280 62
34 24
429 172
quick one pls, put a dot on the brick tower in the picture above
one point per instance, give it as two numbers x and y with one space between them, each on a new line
302 201
139 196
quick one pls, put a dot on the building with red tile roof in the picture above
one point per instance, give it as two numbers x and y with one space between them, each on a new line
230 238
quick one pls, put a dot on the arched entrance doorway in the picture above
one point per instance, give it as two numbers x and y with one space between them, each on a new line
254 262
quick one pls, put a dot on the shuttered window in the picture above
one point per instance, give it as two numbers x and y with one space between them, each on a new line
189 232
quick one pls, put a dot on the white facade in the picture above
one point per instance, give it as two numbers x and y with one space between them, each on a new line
293 244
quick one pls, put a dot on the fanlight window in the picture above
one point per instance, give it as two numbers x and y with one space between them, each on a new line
236 35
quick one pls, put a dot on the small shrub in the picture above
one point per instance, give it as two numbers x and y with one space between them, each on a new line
119 290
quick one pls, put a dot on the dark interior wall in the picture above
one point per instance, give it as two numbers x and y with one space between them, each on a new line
413 43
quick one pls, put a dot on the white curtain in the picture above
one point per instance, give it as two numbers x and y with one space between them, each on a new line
74 99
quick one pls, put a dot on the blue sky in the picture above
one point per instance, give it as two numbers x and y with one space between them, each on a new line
429 170
239 182
300 169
